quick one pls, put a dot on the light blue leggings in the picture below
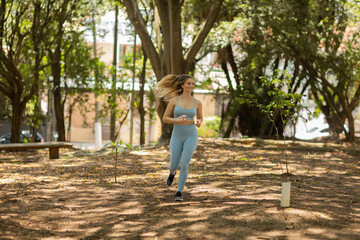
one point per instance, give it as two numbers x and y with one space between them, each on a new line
183 143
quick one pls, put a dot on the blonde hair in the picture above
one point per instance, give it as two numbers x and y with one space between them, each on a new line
170 86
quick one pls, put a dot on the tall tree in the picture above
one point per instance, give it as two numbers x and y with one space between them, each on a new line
323 38
78 73
246 54
61 14
141 99
114 77
316 42
68 16
22 26
168 53
41 18
98 126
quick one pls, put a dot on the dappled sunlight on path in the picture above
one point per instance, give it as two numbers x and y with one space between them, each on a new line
233 192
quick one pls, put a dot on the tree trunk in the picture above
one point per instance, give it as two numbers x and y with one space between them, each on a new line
36 37
16 119
71 106
231 59
224 113
230 127
172 59
166 129
59 107
96 76
59 113
56 73
351 134
13 87
177 60
141 104
36 118
113 85
140 28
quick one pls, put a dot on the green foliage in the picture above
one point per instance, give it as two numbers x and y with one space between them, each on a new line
316 42
31 115
282 102
195 11
78 70
210 127
5 108
32 33
119 147
225 32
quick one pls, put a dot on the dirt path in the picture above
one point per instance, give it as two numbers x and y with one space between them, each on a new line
233 192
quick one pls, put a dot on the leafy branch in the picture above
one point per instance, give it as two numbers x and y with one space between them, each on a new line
117 148
283 104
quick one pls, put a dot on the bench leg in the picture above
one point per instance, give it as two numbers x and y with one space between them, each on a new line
54 153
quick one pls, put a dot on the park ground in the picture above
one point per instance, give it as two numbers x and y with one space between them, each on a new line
233 192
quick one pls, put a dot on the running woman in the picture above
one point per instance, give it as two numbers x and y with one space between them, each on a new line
182 107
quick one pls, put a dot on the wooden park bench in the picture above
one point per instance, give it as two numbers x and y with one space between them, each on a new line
53 147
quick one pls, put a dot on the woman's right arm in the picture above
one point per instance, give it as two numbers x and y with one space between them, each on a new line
167 118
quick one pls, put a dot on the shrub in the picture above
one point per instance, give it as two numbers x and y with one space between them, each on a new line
210 127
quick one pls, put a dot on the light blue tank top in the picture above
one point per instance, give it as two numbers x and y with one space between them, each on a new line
190 113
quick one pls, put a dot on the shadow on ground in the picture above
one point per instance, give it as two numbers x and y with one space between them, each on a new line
233 192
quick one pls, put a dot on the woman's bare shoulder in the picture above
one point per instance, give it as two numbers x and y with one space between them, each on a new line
198 102
172 101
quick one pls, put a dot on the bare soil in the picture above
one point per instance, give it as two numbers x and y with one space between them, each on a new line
233 192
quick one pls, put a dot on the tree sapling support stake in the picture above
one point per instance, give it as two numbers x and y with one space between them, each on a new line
285 194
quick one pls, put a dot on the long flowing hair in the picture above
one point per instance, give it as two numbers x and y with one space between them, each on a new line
170 86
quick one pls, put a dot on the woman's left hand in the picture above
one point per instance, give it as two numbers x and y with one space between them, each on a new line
198 123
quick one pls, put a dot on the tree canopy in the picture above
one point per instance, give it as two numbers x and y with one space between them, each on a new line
312 45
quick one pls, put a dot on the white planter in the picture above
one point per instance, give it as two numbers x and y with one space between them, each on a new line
285 194
98 135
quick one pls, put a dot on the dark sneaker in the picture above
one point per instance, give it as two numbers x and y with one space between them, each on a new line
170 179
178 197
